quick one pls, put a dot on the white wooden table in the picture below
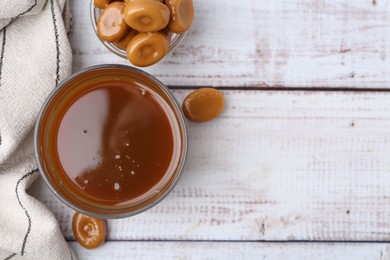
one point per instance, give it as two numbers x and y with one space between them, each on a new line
298 164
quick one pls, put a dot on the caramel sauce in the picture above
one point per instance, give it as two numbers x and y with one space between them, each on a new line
114 142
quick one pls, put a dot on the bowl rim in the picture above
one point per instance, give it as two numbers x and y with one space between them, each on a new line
173 44
181 120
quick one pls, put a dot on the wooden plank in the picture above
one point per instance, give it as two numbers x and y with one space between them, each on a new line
274 166
218 250
302 43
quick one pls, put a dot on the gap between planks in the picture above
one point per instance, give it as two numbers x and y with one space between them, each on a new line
246 241
287 89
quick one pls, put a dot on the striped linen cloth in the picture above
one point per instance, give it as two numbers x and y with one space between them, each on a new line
34 56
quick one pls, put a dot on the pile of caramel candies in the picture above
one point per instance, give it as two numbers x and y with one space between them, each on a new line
143 27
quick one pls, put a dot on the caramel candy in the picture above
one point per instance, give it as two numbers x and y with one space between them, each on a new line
111 25
203 104
146 15
124 41
147 48
101 3
90 232
182 13
130 1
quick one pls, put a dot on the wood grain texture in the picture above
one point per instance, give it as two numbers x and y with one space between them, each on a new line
279 43
234 251
274 166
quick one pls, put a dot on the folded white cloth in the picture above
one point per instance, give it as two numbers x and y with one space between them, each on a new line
34 56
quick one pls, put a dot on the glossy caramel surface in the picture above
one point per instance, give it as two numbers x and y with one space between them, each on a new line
72 168
114 142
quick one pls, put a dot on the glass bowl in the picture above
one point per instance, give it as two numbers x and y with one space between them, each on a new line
45 141
174 41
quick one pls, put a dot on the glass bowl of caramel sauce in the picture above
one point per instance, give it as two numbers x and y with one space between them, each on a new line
175 39
111 141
